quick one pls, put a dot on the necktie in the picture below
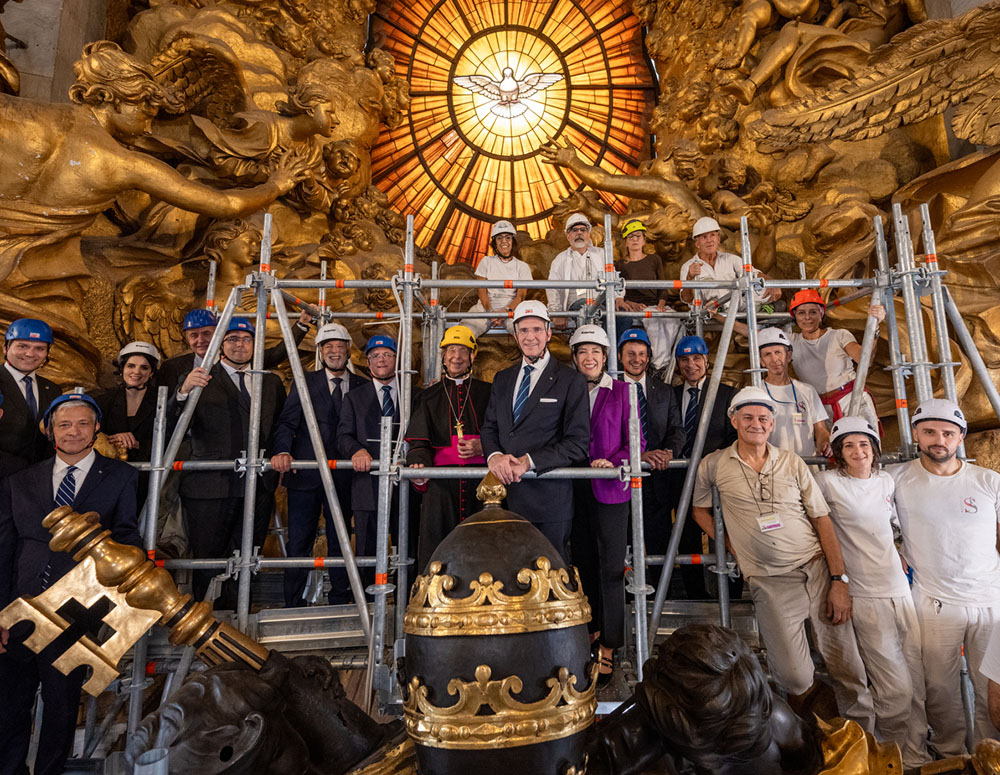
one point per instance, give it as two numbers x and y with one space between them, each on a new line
388 408
29 396
691 421
244 393
522 392
642 412
67 488
337 394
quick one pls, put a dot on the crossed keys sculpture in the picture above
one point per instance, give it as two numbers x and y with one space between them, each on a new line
118 586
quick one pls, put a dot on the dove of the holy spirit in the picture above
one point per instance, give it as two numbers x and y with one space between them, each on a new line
508 92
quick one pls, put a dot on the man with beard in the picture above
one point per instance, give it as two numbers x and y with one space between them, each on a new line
212 501
444 431
327 388
660 418
580 261
28 394
948 511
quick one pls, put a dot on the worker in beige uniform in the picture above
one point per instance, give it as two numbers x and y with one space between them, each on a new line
778 527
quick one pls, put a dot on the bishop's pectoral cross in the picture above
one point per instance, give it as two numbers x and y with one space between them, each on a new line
459 428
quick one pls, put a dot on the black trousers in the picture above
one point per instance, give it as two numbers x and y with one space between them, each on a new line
215 528
600 535
21 673
304 507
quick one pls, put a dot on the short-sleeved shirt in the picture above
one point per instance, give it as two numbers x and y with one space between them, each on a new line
949 526
799 409
493 268
824 362
863 515
784 493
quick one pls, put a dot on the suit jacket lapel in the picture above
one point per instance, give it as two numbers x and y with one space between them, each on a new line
545 380
220 374
12 393
600 401
94 477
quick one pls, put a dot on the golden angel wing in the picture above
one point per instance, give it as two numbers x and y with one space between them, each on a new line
206 74
916 75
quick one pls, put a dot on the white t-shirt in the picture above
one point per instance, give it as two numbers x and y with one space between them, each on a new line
991 659
728 266
824 362
863 515
799 409
493 268
949 526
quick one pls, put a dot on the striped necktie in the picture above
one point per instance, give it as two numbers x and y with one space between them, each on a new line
388 408
642 411
67 488
522 392
691 421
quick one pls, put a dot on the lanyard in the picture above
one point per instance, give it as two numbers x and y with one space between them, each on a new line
795 396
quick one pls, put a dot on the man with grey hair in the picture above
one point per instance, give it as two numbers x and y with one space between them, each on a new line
84 480
778 527
580 261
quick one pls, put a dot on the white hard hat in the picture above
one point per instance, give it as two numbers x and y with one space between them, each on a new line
939 409
589 334
852 424
704 226
138 348
751 395
502 227
576 218
332 331
772 335
531 309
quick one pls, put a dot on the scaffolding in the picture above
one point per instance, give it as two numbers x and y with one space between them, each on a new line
374 627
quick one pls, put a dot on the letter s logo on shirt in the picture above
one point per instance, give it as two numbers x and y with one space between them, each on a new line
969 506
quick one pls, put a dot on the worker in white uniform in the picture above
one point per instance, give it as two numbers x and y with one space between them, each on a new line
860 497
948 511
580 261
825 357
502 264
710 263
778 527
799 417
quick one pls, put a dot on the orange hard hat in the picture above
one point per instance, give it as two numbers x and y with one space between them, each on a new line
806 296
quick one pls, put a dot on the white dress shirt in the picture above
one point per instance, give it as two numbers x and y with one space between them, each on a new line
686 397
82 469
538 366
20 375
393 391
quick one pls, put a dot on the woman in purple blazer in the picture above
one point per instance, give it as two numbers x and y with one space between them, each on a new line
601 506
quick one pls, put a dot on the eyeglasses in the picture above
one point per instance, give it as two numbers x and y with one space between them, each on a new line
764 481
578 229
241 340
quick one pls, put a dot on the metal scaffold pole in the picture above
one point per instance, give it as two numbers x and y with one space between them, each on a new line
747 279
897 368
639 588
919 362
610 281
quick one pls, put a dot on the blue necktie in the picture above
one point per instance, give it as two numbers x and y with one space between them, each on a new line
522 392
642 411
691 421
29 396
388 408
67 488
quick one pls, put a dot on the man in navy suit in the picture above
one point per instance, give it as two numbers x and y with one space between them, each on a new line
328 388
26 349
212 501
81 478
660 417
358 437
538 419
692 364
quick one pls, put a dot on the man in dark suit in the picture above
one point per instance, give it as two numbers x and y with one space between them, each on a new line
538 418
28 395
81 478
660 417
212 501
199 325
692 364
327 389
358 435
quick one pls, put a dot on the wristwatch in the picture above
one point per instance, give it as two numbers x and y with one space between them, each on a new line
840 577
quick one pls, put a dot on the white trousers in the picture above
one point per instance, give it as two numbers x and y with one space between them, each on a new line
663 335
888 636
480 326
783 604
945 629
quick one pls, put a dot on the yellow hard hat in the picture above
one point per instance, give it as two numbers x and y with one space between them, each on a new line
631 227
460 335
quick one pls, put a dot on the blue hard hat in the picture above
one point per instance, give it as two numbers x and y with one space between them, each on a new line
691 345
66 398
381 340
634 335
200 318
31 329
240 324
